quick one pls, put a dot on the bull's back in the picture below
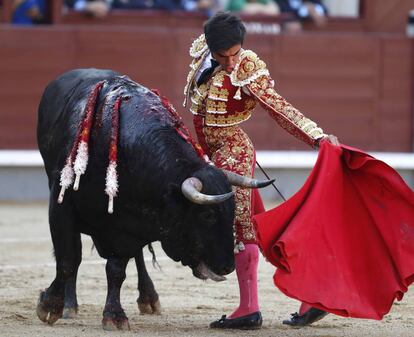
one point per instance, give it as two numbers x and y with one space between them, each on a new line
59 111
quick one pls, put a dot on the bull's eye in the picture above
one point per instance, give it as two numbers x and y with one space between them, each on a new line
208 217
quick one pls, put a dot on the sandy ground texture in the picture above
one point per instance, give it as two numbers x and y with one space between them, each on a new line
188 304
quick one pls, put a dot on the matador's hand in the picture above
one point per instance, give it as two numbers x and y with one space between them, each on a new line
330 139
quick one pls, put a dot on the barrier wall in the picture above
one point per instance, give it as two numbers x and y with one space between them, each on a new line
356 85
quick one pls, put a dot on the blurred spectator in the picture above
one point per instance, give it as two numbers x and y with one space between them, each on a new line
157 4
303 10
95 8
208 7
100 8
169 4
267 7
348 8
28 12
410 24
133 4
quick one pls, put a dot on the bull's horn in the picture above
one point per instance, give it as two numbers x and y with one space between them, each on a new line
239 180
206 273
191 188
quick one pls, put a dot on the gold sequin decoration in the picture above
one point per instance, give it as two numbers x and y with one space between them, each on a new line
249 66
198 46
218 78
216 107
218 94
284 113
197 98
232 150
227 120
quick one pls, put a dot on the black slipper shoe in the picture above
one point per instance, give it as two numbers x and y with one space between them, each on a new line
309 317
249 322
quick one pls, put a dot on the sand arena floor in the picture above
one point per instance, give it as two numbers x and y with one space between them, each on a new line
188 304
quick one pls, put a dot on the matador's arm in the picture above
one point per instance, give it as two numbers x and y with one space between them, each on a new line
252 74
288 117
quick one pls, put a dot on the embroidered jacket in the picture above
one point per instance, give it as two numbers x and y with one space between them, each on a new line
229 99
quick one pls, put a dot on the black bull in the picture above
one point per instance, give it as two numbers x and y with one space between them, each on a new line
166 192
153 163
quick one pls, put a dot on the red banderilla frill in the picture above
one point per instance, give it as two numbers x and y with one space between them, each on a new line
111 181
77 160
181 129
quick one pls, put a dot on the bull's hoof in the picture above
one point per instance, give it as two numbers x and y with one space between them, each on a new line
123 325
109 324
49 308
153 308
115 319
70 312
114 324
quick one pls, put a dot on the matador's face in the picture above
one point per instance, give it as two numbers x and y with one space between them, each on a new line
228 58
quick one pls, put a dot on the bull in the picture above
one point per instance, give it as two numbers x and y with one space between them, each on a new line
167 192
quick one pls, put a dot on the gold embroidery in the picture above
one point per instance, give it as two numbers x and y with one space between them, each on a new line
218 78
249 68
194 109
216 107
195 64
284 113
197 98
194 100
249 103
218 94
199 46
232 149
202 90
199 55
227 120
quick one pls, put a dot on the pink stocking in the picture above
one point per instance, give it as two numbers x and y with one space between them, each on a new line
246 268
303 308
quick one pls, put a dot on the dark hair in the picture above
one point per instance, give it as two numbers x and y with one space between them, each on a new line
223 31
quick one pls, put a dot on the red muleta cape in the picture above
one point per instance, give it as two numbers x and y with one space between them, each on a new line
344 242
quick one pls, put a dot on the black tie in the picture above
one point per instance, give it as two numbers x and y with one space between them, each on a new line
205 75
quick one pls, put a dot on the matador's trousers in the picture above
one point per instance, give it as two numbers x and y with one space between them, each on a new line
230 148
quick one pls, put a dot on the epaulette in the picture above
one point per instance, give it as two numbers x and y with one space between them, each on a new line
198 47
249 68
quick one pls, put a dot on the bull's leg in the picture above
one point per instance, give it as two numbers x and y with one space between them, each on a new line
114 317
70 309
148 302
67 248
